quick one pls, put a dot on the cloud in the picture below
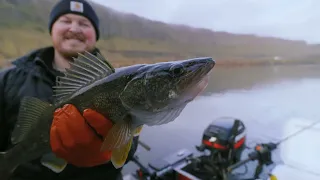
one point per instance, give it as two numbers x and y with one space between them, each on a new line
290 19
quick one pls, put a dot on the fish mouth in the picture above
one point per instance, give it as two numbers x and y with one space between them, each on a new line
186 86
199 88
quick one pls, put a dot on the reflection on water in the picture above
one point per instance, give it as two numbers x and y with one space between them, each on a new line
263 97
246 77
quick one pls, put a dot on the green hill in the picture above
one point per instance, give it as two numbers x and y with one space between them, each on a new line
127 38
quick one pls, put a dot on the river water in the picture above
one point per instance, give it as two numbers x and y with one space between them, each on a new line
262 97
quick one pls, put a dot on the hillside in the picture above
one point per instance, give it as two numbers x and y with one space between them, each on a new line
127 38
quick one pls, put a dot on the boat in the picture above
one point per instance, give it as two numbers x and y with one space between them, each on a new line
301 152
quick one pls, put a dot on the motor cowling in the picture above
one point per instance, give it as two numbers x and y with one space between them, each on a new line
225 136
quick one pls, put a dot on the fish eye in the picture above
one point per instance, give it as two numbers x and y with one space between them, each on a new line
177 69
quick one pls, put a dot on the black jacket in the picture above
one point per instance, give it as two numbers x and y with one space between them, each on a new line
33 75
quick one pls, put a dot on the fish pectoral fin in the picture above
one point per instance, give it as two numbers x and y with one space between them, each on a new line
30 112
120 155
137 131
119 135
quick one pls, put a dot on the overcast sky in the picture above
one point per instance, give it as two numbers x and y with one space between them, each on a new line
290 19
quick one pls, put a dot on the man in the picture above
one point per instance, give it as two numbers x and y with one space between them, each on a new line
74 27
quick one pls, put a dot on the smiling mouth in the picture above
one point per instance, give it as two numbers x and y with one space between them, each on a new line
74 39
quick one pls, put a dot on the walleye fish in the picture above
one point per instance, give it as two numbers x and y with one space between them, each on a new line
132 96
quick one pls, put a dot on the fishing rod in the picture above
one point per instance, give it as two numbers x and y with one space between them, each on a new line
265 149
144 145
298 132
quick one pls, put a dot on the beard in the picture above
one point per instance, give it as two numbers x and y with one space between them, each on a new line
69 54
70 50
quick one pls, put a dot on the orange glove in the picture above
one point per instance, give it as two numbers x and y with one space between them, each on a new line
72 139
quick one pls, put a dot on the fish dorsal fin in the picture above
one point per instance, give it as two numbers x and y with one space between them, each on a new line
86 69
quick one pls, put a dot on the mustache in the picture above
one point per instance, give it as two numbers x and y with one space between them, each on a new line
78 36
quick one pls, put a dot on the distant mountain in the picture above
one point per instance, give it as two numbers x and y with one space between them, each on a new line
127 38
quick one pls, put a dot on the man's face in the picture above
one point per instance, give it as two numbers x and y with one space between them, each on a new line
72 34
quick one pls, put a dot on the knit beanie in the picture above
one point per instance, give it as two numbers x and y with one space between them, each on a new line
79 7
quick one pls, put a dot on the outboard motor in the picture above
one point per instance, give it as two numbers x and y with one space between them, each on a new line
225 137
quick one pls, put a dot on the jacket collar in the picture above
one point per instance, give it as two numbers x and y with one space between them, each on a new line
40 61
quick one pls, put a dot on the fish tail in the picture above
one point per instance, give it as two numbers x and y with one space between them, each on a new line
32 112
5 168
